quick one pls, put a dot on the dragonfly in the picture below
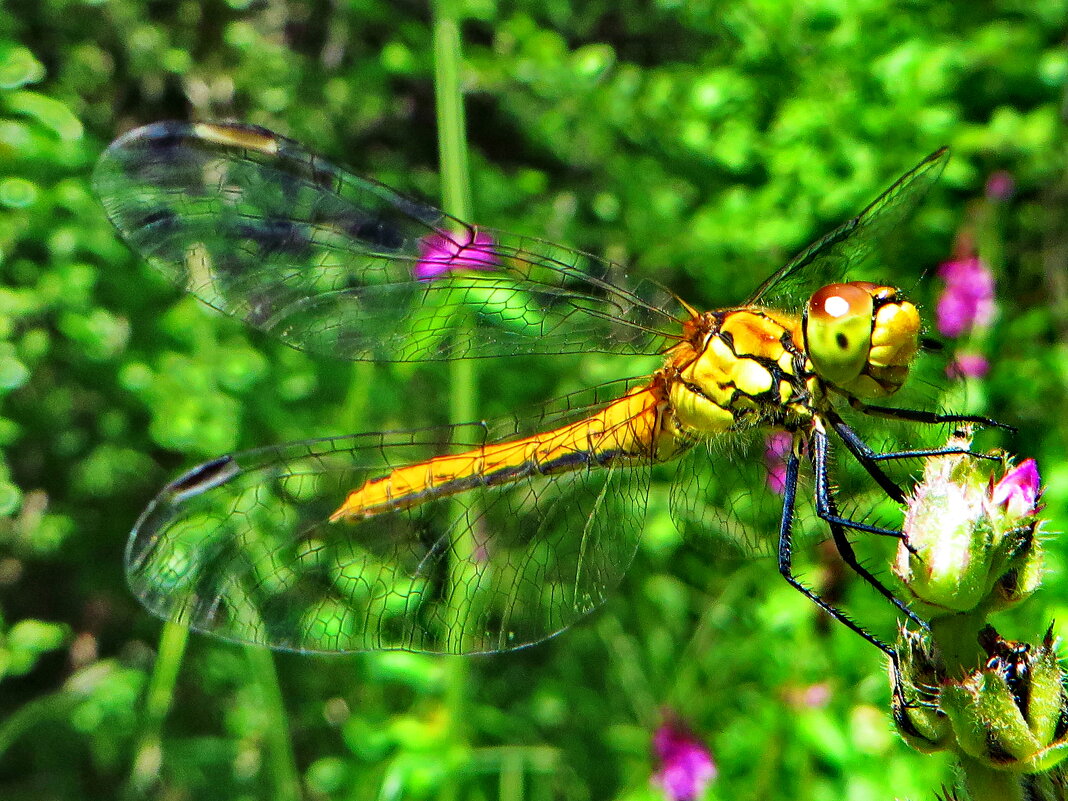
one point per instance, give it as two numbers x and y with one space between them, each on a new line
494 535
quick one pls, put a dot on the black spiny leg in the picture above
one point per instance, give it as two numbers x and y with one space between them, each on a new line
869 458
927 418
827 510
786 561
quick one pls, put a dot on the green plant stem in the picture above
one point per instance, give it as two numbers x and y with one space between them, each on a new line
510 784
452 134
957 639
455 191
983 783
148 752
281 761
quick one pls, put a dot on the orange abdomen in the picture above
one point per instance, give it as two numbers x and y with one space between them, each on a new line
627 429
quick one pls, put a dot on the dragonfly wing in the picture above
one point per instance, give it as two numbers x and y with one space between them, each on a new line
835 257
261 229
725 495
728 495
243 547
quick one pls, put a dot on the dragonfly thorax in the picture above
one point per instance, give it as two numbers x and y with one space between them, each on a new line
739 368
861 338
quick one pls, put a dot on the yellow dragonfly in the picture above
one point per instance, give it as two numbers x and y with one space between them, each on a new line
494 535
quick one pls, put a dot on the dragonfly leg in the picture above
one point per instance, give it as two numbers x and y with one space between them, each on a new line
900 703
861 451
869 458
786 562
927 418
827 510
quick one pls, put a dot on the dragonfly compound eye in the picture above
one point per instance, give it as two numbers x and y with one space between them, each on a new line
838 329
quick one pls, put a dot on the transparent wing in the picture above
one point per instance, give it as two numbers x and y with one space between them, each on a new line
724 495
727 497
261 229
242 547
840 254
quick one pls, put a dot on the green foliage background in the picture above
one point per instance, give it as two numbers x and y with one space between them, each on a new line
699 142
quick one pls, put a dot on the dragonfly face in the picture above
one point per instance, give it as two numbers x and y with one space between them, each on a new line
498 534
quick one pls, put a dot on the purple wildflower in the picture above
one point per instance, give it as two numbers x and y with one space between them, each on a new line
686 765
1018 489
776 449
968 299
968 365
1000 185
441 253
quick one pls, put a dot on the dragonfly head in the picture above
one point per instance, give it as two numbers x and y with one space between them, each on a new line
861 337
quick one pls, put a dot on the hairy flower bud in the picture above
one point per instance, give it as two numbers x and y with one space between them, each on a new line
1012 713
970 541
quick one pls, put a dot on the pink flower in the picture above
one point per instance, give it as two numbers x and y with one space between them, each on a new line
817 696
1018 490
686 765
968 299
968 365
776 449
811 696
440 254
1000 185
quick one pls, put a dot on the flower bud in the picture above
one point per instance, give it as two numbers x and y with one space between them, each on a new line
1012 713
970 541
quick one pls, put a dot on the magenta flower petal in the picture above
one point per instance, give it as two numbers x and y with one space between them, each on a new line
686 765
817 696
1018 489
1000 185
968 365
440 254
968 298
776 449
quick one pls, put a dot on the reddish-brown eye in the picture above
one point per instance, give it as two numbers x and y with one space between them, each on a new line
838 330
835 301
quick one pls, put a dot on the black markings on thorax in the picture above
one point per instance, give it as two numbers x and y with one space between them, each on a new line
769 406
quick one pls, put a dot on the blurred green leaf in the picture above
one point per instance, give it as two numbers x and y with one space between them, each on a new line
17 193
26 641
10 494
328 775
18 67
13 373
49 112
414 670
